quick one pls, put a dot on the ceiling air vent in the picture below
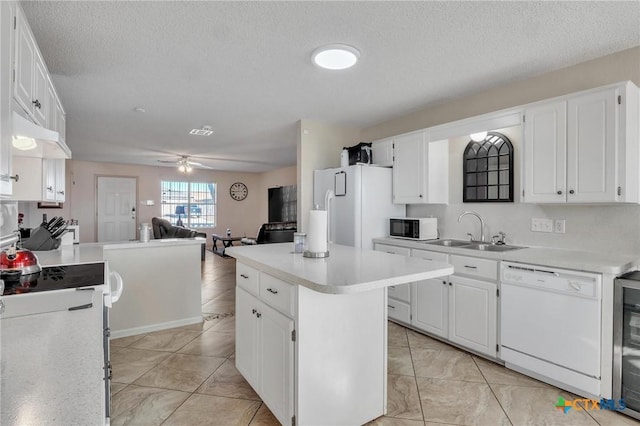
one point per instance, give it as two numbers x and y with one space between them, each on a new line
204 131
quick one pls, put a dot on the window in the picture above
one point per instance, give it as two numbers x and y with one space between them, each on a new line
190 204
488 170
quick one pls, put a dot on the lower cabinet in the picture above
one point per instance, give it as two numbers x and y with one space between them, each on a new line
473 314
265 353
431 306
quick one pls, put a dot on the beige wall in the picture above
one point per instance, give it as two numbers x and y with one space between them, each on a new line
243 217
624 65
318 147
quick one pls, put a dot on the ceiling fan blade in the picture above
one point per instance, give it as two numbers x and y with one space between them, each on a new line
168 161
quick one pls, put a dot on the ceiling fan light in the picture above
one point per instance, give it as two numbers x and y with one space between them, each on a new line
182 168
189 168
335 56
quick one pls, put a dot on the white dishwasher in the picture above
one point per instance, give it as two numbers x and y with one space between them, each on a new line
550 325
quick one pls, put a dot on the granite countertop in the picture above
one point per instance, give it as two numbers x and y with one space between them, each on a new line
94 252
346 270
604 263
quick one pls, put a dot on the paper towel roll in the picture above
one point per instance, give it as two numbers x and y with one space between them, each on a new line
317 235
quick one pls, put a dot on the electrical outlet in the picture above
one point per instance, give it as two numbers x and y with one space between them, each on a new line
558 226
541 225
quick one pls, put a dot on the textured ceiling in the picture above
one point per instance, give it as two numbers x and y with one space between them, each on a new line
245 68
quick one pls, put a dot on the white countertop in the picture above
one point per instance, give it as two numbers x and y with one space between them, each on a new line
94 252
605 263
346 270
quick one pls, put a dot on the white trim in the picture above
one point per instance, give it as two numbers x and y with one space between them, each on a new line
155 327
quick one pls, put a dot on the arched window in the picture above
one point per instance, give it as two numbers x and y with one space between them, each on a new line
488 170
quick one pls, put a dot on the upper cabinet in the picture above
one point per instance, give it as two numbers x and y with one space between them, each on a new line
6 43
420 169
583 148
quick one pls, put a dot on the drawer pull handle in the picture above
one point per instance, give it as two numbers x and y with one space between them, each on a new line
390 252
272 291
392 286
470 267
77 308
575 286
244 276
391 307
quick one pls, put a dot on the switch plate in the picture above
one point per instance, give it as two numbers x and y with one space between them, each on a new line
558 226
541 225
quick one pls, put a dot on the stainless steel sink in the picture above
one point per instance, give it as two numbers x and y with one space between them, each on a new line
491 247
474 245
450 243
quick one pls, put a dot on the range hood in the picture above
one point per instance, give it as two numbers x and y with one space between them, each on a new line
31 140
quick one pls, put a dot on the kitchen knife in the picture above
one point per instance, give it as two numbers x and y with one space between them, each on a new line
50 223
59 232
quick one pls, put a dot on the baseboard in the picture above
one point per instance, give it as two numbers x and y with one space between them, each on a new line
155 327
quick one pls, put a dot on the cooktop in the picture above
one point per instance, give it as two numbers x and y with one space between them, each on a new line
53 278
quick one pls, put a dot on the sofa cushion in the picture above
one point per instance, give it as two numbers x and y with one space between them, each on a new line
162 228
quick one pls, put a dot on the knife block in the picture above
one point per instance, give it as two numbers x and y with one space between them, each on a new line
41 240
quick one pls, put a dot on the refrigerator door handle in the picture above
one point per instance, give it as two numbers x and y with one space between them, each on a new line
328 203
118 292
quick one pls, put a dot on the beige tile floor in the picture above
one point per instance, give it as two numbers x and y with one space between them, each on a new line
186 376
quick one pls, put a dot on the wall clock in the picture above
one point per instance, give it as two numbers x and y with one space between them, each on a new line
238 191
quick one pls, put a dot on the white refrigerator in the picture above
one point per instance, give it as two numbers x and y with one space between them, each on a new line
359 203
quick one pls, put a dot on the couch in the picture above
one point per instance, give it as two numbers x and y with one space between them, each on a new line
274 232
162 228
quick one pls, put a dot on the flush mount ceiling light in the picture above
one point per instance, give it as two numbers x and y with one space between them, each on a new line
206 130
335 56
478 137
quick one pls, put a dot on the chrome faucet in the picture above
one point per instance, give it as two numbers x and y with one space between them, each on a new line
481 223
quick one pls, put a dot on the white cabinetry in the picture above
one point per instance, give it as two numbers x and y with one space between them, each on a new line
54 180
473 304
264 343
383 152
583 148
420 169
430 307
40 179
398 296
6 58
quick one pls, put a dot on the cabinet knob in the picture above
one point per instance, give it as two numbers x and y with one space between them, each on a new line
37 104
571 191
253 311
559 192
61 192
272 291
7 178
420 195
444 282
245 277
50 188
258 314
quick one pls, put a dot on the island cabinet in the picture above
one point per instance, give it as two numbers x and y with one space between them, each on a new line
311 334
583 148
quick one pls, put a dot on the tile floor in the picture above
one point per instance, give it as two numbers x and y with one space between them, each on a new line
186 376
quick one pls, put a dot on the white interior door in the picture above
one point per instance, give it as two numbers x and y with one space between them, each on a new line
116 208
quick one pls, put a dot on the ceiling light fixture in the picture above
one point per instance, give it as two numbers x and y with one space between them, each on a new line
335 56
139 109
478 137
184 166
206 130
23 143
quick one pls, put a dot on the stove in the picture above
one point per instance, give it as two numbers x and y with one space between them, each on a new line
53 278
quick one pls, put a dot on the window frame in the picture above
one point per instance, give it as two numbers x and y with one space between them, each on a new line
490 141
190 219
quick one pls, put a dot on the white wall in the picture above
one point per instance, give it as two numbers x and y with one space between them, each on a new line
593 228
318 147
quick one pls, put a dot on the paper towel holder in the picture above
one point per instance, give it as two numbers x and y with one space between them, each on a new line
315 254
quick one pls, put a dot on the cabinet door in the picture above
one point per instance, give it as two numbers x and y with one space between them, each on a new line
247 336
430 306
24 64
60 180
49 180
409 186
61 127
383 153
591 147
276 355
29 186
472 314
52 110
545 146
40 104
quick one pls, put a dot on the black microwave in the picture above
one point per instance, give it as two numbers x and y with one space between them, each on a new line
414 228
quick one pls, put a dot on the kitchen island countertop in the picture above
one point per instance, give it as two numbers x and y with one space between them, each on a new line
346 270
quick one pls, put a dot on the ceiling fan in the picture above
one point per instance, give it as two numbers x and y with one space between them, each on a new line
185 165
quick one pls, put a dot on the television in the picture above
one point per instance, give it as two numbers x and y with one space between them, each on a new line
283 203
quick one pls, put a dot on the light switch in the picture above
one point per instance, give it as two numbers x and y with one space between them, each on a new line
541 225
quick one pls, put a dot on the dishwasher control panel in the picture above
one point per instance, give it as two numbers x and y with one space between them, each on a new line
551 279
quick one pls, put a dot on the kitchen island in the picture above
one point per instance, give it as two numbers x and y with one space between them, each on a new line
311 334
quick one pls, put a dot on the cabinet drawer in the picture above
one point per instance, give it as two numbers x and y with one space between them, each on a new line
278 294
393 249
400 292
474 267
399 310
430 255
247 278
